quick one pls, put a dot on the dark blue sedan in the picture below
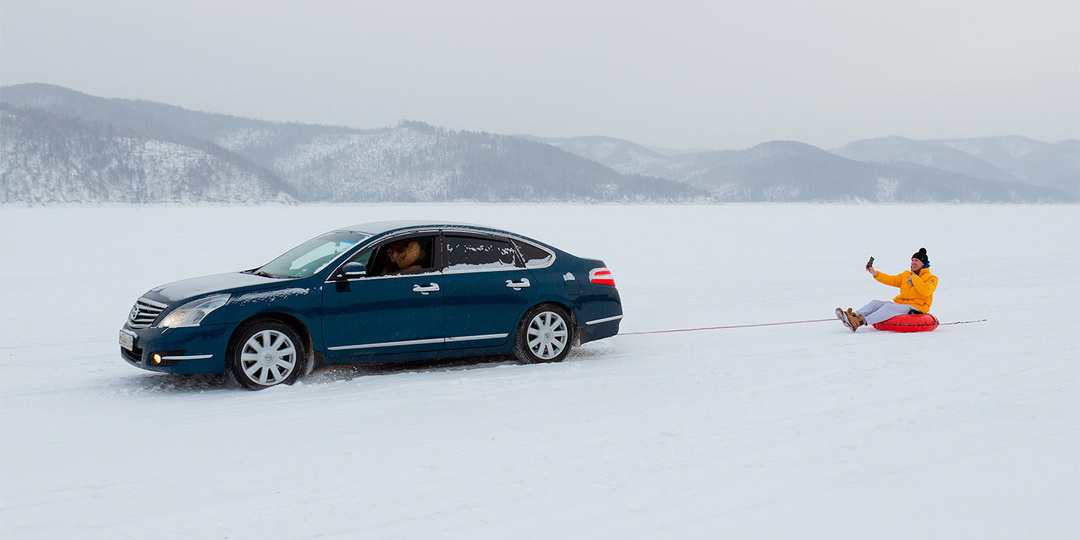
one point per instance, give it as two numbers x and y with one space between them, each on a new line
376 292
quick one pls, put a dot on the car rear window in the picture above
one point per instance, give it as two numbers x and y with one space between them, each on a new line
468 253
535 256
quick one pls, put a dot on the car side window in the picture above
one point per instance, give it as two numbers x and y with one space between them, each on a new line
409 255
535 256
471 253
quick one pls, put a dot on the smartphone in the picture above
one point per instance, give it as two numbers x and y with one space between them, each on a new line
870 263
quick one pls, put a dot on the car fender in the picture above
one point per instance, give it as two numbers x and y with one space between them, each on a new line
303 327
551 299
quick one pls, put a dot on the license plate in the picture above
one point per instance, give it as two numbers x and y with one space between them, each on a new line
127 340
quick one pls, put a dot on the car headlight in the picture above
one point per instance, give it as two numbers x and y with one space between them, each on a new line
192 313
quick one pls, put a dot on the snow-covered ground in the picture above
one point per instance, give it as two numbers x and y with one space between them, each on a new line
798 431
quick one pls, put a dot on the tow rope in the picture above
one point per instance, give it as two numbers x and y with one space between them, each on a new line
962 322
721 327
704 328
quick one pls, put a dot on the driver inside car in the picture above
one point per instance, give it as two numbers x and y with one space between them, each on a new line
403 256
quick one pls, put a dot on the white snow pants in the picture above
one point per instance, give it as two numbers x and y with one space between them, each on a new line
880 310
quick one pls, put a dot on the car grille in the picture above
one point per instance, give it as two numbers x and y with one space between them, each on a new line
144 313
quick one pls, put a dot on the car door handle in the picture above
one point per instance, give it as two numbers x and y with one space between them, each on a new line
432 287
518 285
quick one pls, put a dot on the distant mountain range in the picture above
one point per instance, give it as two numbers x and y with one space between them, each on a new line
61 146
893 169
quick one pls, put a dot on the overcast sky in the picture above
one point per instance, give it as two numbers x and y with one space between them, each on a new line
672 73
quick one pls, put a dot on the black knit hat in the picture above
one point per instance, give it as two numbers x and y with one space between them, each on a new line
921 255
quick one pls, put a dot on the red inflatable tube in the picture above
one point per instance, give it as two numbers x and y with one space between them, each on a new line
923 322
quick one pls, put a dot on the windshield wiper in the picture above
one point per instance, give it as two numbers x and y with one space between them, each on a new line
262 273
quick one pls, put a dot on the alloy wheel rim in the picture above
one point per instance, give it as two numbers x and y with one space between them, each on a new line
268 357
547 335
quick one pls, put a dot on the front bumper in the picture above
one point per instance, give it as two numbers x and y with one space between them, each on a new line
195 349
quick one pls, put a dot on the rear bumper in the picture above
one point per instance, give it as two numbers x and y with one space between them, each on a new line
598 312
598 328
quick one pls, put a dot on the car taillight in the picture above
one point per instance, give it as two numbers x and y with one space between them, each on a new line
601 276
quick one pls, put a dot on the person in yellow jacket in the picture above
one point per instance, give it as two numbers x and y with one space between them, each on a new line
917 288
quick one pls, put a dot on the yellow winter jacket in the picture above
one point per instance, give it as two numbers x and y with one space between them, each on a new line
916 291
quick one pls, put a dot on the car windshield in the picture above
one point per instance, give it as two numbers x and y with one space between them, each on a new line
311 256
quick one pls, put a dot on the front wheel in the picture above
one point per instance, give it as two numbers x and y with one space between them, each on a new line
544 335
265 354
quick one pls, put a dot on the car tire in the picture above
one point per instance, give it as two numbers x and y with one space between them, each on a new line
545 334
265 353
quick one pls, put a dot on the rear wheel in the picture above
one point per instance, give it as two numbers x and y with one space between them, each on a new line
266 353
544 335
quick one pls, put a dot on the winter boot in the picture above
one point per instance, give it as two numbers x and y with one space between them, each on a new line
855 320
842 315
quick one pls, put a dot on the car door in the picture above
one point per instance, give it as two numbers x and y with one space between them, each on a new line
385 311
486 288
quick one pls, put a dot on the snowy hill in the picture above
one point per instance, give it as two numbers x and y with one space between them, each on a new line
1054 165
409 162
1004 159
46 159
623 156
924 153
882 171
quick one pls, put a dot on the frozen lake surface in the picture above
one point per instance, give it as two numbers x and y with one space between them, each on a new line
796 431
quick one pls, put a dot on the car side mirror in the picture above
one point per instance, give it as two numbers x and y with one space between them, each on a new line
353 270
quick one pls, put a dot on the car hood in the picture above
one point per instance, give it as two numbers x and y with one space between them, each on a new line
176 291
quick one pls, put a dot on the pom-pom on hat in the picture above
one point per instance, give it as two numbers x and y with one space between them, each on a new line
921 255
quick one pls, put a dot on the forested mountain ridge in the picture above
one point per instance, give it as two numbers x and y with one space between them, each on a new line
61 146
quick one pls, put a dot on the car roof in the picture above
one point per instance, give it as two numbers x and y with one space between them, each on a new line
379 227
